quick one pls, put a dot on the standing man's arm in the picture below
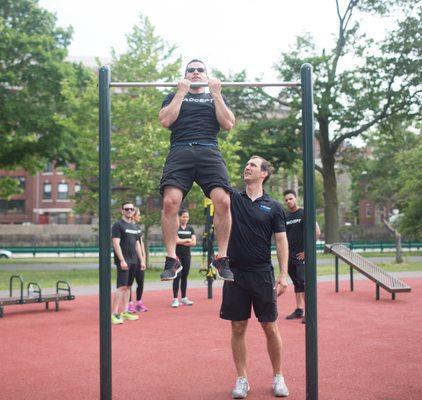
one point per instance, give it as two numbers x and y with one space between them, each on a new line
301 255
119 254
224 115
282 248
169 114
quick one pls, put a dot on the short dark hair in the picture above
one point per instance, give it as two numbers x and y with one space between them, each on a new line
289 191
195 60
183 211
265 166
127 202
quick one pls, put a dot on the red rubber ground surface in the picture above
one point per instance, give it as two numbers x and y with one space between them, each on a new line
367 349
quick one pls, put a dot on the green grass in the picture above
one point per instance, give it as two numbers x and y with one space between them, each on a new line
48 279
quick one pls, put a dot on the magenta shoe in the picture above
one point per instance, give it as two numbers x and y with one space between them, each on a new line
131 308
141 307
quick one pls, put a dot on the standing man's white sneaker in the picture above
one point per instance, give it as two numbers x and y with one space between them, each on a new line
175 303
279 386
241 388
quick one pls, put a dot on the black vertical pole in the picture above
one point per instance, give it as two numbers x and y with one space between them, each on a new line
310 237
104 236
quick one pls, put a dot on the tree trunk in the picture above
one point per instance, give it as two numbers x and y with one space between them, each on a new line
331 220
397 237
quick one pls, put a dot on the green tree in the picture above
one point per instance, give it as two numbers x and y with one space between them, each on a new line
359 83
32 68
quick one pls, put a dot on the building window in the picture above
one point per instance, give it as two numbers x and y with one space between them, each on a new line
156 202
62 191
62 218
21 182
77 188
368 211
48 167
12 206
47 191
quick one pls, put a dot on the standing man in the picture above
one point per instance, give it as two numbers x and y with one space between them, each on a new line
195 118
186 239
256 217
295 225
126 238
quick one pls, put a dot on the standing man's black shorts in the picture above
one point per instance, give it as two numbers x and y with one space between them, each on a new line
126 277
202 164
297 275
250 289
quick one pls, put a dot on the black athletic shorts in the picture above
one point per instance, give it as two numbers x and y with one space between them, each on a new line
126 277
195 163
297 275
249 289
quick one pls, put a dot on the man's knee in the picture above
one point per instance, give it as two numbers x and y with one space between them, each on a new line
270 328
239 327
221 200
172 199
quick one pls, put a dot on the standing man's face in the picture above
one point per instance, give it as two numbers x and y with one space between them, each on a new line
290 201
253 171
128 210
196 72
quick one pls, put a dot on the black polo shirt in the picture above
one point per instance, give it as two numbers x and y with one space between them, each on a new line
129 234
253 224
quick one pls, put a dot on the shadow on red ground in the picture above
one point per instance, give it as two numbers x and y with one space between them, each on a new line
367 349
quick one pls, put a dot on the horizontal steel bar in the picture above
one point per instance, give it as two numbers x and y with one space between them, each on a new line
204 84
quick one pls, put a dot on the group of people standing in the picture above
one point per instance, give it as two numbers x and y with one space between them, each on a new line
245 222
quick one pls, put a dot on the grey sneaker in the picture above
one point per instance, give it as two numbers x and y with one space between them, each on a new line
279 386
171 268
241 388
222 267
175 303
186 302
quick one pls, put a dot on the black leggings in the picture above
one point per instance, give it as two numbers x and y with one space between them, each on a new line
182 277
139 277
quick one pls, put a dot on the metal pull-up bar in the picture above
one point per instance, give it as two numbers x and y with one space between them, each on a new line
205 84
306 87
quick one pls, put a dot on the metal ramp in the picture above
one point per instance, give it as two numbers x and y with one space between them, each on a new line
367 268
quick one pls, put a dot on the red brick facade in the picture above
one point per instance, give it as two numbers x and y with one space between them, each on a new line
46 199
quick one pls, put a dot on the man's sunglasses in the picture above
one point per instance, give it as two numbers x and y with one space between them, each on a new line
192 69
129 209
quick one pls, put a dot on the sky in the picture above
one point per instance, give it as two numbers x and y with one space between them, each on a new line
229 35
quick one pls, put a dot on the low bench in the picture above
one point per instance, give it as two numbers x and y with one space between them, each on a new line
367 268
63 293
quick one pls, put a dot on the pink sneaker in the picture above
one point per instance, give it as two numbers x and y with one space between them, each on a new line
141 307
131 308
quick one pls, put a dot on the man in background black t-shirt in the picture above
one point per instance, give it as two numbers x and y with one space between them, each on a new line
195 118
295 224
256 218
126 237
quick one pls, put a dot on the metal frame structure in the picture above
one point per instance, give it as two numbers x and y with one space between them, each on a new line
306 86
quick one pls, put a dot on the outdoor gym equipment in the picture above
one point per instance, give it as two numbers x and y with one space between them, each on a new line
35 295
305 84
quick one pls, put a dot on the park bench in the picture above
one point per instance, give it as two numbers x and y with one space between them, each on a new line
63 293
367 268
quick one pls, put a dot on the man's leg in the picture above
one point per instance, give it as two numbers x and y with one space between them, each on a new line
300 300
222 219
117 300
274 345
239 346
172 199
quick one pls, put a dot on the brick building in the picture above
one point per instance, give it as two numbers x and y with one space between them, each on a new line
46 198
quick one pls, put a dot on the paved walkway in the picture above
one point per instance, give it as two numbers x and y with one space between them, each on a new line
36 265
158 285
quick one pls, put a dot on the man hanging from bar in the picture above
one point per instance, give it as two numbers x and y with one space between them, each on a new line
194 119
